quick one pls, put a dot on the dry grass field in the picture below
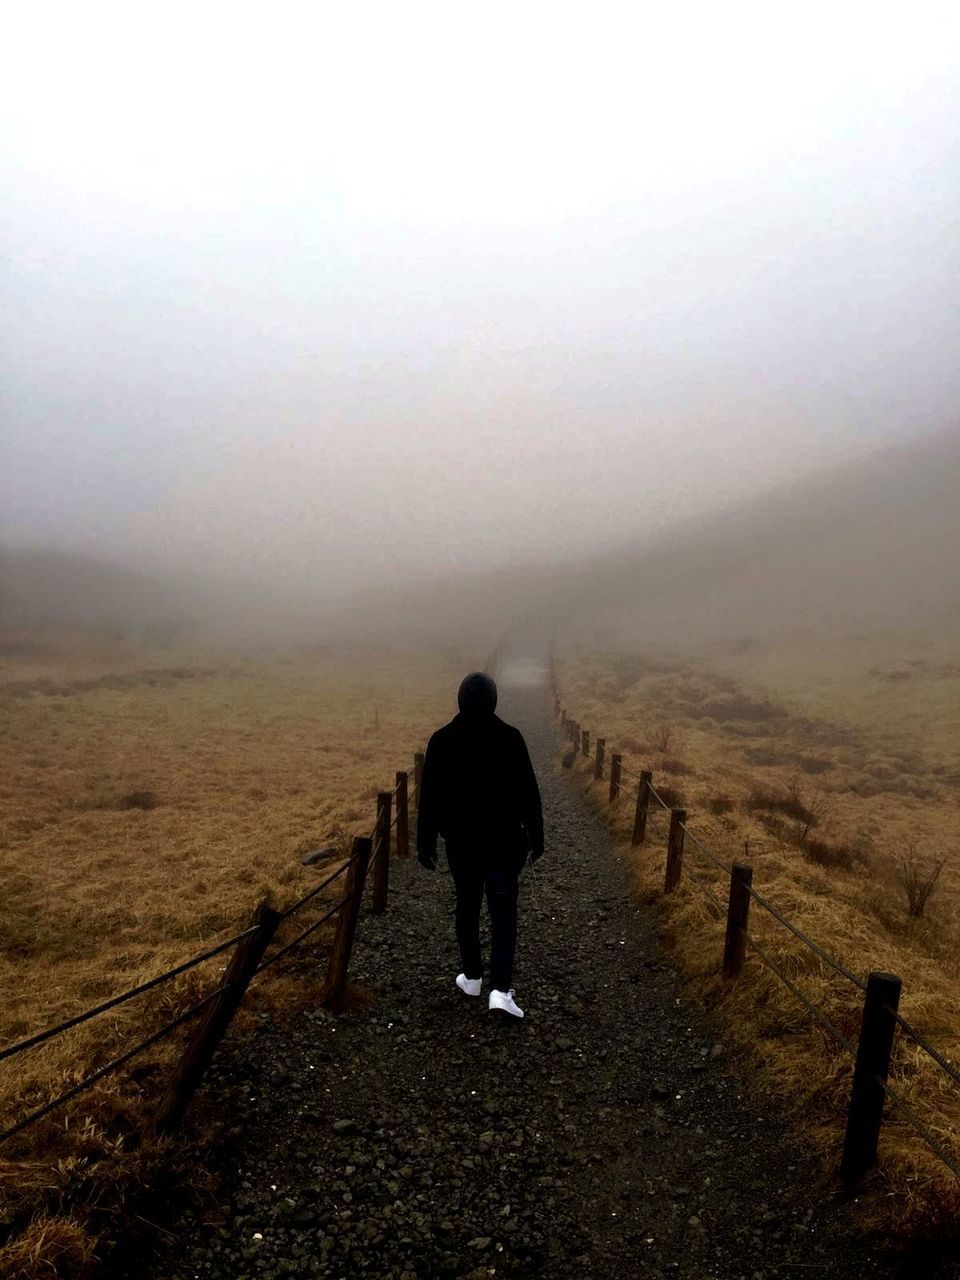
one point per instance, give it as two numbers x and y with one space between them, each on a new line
149 800
825 765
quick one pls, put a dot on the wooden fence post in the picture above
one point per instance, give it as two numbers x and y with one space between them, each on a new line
202 1045
417 775
865 1113
403 816
585 741
671 876
643 804
381 855
575 735
738 912
347 917
615 761
598 767
563 721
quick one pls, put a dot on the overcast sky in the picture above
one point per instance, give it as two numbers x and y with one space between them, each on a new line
305 289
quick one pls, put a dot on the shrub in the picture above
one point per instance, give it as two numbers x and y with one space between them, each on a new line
720 804
671 764
918 880
662 739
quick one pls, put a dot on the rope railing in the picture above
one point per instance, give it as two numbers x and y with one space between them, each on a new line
742 894
704 888
813 1009
42 1036
247 962
304 933
114 1065
910 1030
830 1026
935 1145
815 947
707 853
301 902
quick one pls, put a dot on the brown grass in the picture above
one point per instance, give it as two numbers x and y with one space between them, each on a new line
824 849
146 808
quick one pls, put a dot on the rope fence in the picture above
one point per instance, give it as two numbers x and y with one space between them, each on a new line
881 991
247 962
43 1036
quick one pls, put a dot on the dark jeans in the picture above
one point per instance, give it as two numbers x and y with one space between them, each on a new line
472 879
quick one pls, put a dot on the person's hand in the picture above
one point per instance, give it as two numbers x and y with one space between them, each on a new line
427 861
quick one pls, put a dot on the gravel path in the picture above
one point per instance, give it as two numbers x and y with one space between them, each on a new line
605 1135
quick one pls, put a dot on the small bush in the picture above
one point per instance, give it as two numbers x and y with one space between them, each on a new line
720 804
138 800
737 706
671 764
918 880
662 739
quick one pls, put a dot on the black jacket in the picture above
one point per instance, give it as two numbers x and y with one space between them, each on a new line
479 791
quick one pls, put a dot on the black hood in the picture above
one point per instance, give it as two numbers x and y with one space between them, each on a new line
477 696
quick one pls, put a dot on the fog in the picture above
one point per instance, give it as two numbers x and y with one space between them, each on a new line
310 295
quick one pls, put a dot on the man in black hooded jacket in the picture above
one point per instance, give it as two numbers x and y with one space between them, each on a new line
479 791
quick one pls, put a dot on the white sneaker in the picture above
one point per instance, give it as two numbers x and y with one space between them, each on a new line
469 986
503 1002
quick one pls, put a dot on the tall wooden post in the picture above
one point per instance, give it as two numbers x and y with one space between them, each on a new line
403 816
563 721
671 875
738 912
616 761
347 917
575 736
417 775
643 804
598 766
865 1114
381 855
202 1045
585 741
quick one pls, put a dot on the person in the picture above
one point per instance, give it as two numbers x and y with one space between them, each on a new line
479 792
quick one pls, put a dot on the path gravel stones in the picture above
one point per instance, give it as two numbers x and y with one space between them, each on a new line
605 1135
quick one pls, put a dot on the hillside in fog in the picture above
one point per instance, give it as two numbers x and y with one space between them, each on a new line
869 546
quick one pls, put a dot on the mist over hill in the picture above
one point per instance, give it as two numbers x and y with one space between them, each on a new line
871 545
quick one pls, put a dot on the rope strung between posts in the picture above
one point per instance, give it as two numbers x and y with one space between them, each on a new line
703 887
110 1067
112 1003
909 1029
811 1008
657 796
305 933
809 942
707 853
814 1010
626 769
917 1124
894 1095
295 906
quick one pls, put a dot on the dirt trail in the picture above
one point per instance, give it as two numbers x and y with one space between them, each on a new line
605 1135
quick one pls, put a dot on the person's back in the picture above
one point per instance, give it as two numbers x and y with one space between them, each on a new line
478 790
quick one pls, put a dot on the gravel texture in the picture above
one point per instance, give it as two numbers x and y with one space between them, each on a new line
604 1135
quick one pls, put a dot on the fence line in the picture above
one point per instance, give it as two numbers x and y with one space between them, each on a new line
873 1051
110 1067
245 938
42 1036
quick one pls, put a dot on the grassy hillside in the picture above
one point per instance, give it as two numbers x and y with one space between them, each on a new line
791 676
149 799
